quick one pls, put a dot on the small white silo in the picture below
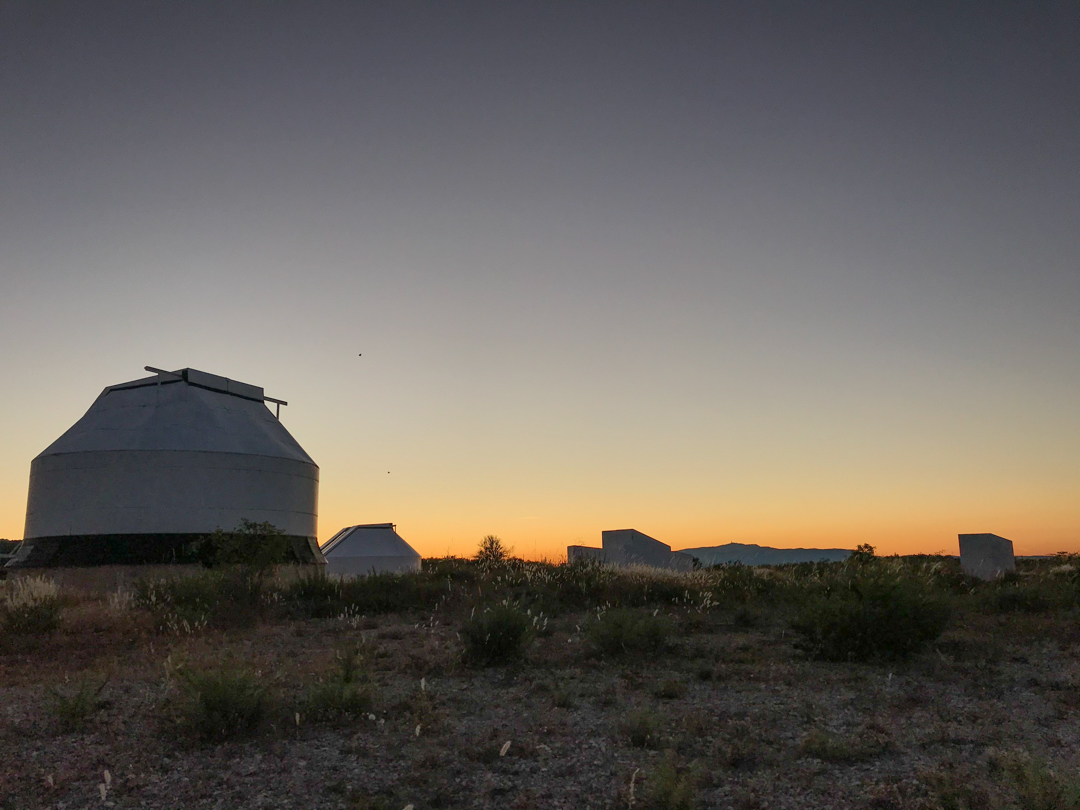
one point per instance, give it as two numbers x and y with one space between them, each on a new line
373 548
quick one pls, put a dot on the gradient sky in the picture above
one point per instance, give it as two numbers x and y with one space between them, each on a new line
785 273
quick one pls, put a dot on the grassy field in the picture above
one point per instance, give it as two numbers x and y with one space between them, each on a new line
875 683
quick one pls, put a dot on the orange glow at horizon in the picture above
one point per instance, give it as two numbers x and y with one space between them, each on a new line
448 475
550 271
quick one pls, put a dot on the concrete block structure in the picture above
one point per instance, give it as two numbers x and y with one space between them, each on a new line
681 561
372 548
574 553
631 547
158 462
986 556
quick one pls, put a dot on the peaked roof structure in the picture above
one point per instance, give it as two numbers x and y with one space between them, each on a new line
185 410
159 461
368 548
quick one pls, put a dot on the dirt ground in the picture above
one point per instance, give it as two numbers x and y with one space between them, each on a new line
735 714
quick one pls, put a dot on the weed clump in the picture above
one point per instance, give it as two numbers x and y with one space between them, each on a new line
492 550
874 613
1028 595
315 596
669 689
642 728
740 747
1040 787
496 636
666 788
344 695
220 705
318 596
225 597
623 632
73 711
564 698
255 545
845 749
31 606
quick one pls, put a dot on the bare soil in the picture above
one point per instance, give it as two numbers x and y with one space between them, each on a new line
751 721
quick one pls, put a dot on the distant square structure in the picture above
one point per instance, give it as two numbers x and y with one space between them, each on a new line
986 556
574 553
631 547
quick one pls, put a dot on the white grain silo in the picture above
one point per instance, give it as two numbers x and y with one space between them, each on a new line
374 548
159 462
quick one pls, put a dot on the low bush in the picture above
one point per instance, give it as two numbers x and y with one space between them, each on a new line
959 788
845 749
231 596
315 596
73 711
1040 787
496 636
31 606
642 728
741 747
668 788
222 704
345 694
391 593
745 618
492 550
255 545
864 553
1015 599
336 700
1034 594
669 689
622 632
877 613
564 697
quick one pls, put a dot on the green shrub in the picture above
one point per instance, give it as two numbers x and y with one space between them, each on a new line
668 789
863 553
315 596
31 606
564 697
496 636
1029 595
492 550
231 596
345 694
642 728
669 689
336 700
879 613
953 788
1040 787
256 545
621 632
844 749
74 711
745 618
391 593
222 704
741 747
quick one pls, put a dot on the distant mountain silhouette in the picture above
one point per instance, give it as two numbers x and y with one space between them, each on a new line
764 555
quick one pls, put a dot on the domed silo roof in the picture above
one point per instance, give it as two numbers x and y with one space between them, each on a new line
160 461
369 548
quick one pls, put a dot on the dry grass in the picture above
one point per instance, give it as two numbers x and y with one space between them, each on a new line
732 714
